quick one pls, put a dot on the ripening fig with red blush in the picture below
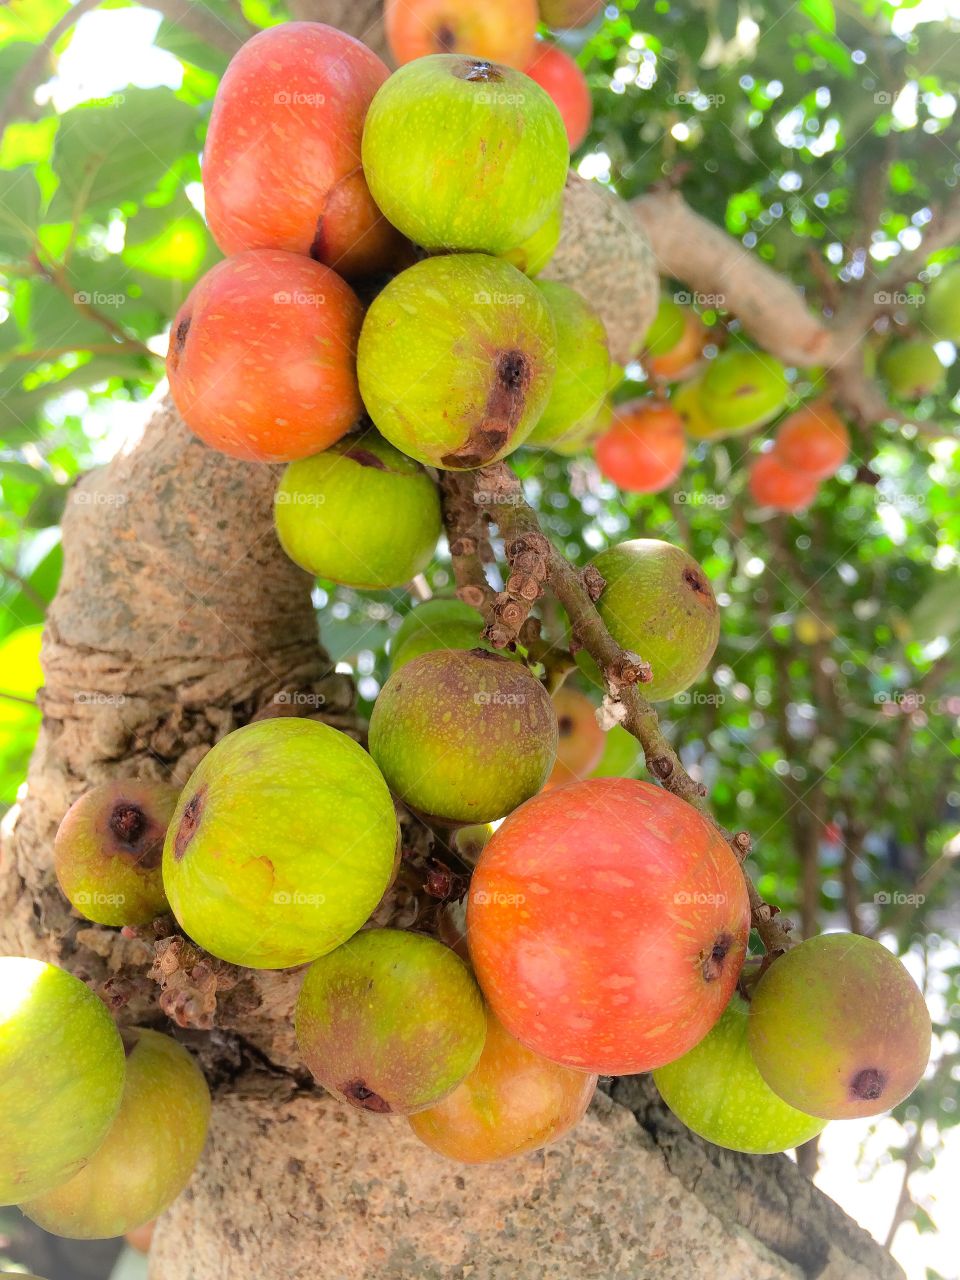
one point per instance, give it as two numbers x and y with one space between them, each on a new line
607 925
262 357
281 162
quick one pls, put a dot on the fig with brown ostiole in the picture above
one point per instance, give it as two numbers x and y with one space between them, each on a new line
390 1022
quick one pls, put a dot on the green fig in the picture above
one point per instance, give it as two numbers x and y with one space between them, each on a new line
456 360
667 328
390 1022
108 851
537 250
149 1154
361 513
282 844
838 1028
717 1091
61 1076
583 365
912 370
742 389
942 313
657 602
463 736
464 154
436 624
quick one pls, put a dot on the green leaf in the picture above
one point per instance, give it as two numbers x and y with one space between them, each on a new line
938 612
19 212
19 607
822 13
108 155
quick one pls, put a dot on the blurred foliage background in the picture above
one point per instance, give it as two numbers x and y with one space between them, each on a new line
822 135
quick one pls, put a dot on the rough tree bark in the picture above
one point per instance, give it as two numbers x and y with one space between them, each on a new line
177 619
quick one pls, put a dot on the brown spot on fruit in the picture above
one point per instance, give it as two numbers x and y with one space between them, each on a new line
356 1091
180 338
867 1085
318 245
713 963
475 70
189 823
565 726
446 40
502 412
135 834
365 458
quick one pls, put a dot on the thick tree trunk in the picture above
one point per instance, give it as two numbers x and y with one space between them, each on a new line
177 619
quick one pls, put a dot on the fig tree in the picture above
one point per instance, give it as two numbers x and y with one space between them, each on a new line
281 845
607 925
717 1091
657 602
149 1154
390 1022
583 365
108 851
501 30
61 1076
436 624
513 1101
742 389
457 360
464 154
361 513
463 736
838 1028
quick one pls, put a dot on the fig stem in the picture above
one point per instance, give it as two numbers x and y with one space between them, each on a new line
494 495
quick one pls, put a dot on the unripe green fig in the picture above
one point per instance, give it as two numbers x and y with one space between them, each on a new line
537 250
464 154
149 1154
742 389
912 370
838 1028
657 602
390 1022
282 844
942 312
583 365
667 328
457 359
361 513
61 1076
463 736
687 400
108 850
436 624
717 1091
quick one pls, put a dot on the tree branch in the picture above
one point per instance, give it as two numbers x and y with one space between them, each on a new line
499 493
